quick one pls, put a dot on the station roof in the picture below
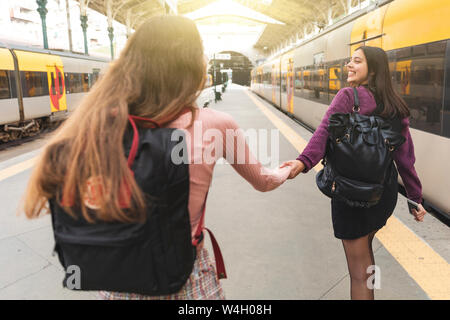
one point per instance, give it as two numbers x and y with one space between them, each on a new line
290 18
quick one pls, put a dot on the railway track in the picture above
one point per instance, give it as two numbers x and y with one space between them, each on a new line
20 141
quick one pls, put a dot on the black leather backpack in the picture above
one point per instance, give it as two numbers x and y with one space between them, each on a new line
152 258
359 156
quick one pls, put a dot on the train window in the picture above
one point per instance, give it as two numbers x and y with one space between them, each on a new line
318 84
267 79
94 77
403 53
4 85
74 83
298 84
307 86
85 82
344 72
391 55
283 81
425 93
34 84
436 47
334 79
12 83
419 50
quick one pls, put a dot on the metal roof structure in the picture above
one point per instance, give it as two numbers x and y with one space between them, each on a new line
298 17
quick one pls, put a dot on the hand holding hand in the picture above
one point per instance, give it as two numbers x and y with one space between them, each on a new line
296 167
418 215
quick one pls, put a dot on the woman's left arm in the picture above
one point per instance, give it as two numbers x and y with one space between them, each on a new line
404 158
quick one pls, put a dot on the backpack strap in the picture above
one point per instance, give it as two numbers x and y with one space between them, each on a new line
356 100
220 265
135 143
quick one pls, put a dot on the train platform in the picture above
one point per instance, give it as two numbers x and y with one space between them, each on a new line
276 245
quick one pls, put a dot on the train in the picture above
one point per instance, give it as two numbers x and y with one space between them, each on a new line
40 87
415 34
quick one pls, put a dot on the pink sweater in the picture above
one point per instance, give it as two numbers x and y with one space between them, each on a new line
201 166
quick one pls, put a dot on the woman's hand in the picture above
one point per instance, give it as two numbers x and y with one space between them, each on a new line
418 215
296 167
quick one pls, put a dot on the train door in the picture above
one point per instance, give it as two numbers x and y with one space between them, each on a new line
57 88
290 86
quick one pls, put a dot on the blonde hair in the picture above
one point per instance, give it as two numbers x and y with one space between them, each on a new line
158 74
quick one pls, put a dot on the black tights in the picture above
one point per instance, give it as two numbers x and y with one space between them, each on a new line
359 256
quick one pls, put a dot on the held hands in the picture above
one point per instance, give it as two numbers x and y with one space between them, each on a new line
418 215
296 167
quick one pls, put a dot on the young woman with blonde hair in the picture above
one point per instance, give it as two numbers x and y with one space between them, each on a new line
158 75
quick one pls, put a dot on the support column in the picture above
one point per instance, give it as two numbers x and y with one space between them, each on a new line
43 13
109 15
84 26
111 38
69 29
83 18
128 22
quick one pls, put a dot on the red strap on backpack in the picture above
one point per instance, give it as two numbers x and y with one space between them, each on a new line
220 265
135 143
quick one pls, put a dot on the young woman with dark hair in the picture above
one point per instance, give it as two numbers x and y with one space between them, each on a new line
368 71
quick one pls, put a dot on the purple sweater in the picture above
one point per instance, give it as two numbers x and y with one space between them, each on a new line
404 156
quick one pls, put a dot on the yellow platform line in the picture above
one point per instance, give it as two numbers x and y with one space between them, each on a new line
17 168
426 267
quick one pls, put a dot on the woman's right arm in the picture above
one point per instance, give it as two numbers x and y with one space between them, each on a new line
236 151
315 150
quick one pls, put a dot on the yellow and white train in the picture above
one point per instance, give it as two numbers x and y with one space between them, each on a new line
416 36
41 86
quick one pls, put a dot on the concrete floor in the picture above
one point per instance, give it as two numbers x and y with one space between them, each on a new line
276 245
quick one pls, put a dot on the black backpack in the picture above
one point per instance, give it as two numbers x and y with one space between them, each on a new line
151 258
359 156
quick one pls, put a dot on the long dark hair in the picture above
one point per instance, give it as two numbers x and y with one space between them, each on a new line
380 83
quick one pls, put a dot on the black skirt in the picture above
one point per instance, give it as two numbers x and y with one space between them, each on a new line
352 223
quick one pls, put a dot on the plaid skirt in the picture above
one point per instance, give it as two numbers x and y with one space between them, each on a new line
202 284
